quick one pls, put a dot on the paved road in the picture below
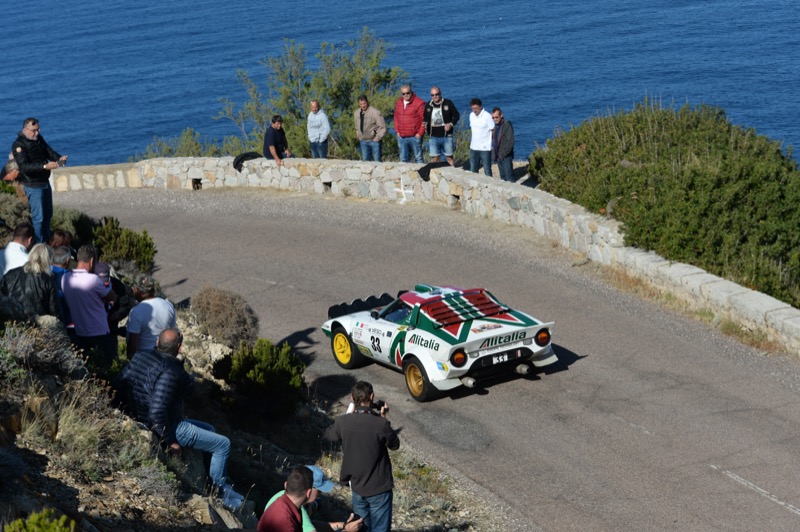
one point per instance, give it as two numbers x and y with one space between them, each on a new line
654 423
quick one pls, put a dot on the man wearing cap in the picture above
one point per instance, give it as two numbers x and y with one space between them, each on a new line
148 318
275 143
367 437
323 484
35 158
86 296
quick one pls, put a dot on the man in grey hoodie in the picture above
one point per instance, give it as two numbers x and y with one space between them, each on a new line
318 131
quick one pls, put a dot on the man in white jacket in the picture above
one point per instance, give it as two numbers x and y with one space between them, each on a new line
318 131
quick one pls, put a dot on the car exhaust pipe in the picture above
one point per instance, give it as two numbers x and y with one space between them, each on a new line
469 382
523 369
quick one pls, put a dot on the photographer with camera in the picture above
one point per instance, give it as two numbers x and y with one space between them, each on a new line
367 436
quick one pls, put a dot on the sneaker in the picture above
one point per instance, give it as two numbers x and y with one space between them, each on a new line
231 500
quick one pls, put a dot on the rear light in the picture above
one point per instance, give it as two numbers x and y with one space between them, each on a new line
542 338
458 359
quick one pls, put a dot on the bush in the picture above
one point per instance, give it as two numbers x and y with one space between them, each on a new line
268 376
689 185
226 316
13 211
82 433
41 522
44 348
80 225
118 245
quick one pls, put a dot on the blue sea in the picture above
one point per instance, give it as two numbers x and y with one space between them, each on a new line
106 77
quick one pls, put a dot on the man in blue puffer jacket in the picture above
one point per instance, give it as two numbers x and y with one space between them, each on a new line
152 387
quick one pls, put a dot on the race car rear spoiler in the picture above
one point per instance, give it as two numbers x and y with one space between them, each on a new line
359 305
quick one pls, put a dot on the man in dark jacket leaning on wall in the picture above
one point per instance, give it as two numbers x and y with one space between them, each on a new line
153 386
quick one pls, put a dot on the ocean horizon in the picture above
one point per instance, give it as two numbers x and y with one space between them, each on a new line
105 78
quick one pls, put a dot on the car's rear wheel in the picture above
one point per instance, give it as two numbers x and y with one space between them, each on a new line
344 350
417 382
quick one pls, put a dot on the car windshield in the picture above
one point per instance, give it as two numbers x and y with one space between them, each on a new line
397 312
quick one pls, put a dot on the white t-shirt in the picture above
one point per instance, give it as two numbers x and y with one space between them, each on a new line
482 126
148 319
14 256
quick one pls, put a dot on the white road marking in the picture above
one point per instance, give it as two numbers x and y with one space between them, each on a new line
633 425
760 491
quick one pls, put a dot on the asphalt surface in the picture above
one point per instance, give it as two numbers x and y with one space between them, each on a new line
652 422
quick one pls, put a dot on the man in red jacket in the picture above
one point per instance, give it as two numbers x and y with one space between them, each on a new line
408 123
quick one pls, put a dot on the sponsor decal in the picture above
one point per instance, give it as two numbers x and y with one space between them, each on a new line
416 339
505 339
388 334
486 327
356 334
365 350
375 331
402 328
442 366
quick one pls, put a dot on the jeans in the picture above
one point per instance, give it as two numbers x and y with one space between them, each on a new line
478 158
506 170
201 436
376 511
438 146
368 146
41 202
319 150
413 143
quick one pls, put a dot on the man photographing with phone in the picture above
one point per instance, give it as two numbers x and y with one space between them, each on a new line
35 158
367 436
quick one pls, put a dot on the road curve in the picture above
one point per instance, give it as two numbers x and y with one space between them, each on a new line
653 423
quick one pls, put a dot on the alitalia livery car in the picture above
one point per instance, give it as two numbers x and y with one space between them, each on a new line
440 337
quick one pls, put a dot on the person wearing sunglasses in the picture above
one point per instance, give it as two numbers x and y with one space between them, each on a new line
35 158
440 119
409 112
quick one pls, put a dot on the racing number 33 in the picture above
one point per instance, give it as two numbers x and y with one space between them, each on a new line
376 344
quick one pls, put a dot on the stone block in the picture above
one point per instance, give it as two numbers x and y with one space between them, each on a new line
775 318
174 183
61 183
693 283
134 179
87 180
754 306
211 176
720 293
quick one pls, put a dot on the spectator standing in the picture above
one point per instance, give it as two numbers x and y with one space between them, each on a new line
148 318
283 514
319 129
33 285
61 257
321 483
35 158
370 129
503 145
15 254
123 302
86 295
409 112
152 387
366 438
480 147
275 143
440 119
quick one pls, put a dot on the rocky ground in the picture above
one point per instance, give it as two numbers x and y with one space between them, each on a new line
149 498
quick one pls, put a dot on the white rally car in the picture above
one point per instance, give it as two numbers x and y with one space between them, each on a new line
440 337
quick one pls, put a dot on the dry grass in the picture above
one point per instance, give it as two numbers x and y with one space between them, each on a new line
226 316
756 338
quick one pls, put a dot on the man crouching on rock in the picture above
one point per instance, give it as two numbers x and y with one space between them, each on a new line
153 386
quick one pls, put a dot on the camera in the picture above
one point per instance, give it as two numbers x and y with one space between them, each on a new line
378 405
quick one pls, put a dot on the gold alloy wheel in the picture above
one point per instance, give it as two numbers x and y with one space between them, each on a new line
341 348
415 380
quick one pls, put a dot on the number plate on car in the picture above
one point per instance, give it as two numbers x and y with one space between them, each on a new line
501 357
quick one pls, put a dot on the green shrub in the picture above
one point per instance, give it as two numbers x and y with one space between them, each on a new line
689 185
80 225
270 377
226 316
41 522
13 211
118 244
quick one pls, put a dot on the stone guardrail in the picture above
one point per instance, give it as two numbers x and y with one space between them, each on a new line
569 225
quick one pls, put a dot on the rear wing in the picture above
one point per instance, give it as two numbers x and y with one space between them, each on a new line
359 305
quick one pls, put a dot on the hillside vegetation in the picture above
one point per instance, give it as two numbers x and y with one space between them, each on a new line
689 185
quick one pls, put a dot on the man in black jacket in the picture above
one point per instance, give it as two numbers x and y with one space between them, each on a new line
366 436
440 119
152 387
503 145
35 158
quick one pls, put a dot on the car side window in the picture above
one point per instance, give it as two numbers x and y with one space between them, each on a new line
398 312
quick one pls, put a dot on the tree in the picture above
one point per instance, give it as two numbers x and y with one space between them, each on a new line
343 73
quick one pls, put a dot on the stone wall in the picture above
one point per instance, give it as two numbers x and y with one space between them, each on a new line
594 236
